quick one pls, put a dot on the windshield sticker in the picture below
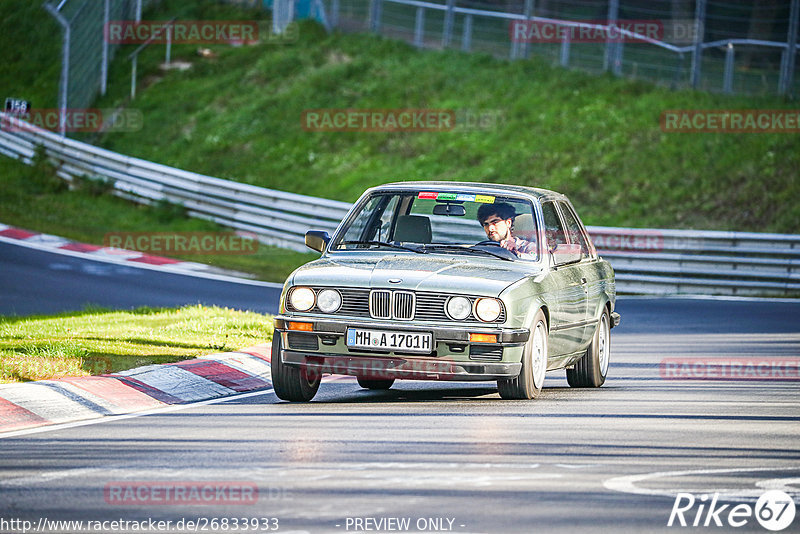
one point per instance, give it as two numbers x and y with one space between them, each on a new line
458 197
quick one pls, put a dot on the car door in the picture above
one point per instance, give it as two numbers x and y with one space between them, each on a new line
568 315
590 275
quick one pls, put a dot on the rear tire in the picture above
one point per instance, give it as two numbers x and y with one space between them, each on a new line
591 370
528 384
291 383
367 383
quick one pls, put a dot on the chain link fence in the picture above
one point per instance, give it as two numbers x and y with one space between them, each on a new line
85 51
744 47
733 46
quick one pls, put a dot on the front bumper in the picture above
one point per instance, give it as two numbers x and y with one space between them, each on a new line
452 358
390 367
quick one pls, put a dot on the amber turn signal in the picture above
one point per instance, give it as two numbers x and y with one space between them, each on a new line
483 338
305 327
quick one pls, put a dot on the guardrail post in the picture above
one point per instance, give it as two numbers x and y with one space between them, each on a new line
697 53
276 16
616 67
133 76
104 64
375 16
169 44
727 84
419 27
63 86
528 12
334 13
789 55
676 79
512 52
565 42
447 31
613 13
466 35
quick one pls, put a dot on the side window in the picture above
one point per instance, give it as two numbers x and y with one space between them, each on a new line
386 219
372 222
574 229
554 232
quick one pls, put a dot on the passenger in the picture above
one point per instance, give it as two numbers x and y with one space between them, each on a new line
498 220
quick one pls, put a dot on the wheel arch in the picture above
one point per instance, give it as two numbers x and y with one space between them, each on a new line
546 312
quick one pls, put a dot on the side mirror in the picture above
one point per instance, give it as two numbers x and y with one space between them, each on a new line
317 240
564 253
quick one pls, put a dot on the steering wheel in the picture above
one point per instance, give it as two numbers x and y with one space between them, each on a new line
487 242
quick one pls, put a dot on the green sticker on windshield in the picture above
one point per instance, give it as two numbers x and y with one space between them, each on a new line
446 196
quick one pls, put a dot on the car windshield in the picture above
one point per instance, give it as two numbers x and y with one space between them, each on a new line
443 222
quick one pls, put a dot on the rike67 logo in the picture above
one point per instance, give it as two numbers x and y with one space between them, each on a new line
774 510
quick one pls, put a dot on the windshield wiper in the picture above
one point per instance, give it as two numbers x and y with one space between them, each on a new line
418 250
469 250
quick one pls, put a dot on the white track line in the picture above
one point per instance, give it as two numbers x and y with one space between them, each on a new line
113 418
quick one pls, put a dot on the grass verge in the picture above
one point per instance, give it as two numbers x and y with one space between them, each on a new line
97 341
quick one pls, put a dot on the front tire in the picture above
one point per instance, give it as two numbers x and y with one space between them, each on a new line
291 383
591 370
529 383
367 383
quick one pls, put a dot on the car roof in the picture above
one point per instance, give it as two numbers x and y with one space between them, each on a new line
474 187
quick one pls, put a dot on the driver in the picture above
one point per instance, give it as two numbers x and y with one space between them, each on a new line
497 220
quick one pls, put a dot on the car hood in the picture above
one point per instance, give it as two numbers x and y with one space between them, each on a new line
431 272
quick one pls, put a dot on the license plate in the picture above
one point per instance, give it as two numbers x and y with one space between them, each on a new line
390 340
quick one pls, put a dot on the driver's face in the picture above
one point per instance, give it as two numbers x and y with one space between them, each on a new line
497 229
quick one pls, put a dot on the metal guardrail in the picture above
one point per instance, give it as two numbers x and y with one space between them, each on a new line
277 217
650 261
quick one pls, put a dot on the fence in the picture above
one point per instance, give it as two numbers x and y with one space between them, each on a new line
85 52
734 47
646 260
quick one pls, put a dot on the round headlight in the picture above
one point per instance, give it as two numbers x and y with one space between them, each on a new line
302 298
458 308
329 300
488 310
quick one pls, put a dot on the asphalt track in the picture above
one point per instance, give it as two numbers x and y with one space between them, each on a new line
448 457
43 282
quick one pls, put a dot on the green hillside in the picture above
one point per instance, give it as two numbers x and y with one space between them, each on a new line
596 139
